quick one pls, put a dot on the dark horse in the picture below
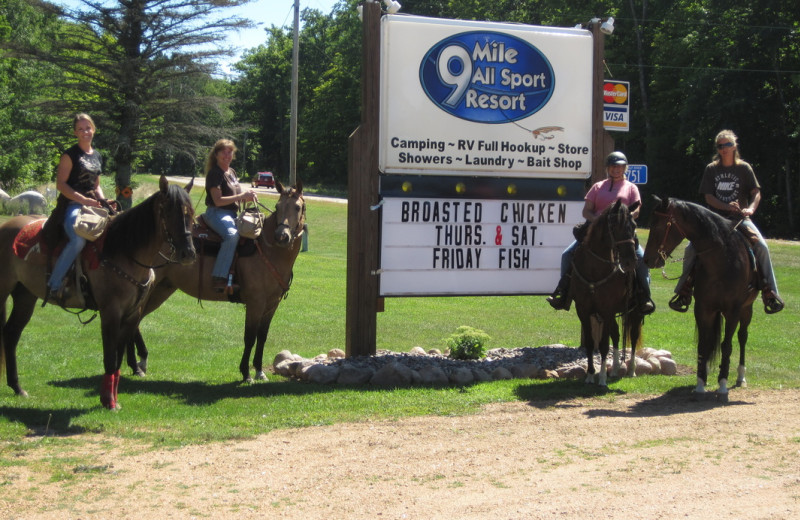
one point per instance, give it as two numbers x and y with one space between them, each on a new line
725 282
603 276
119 285
264 278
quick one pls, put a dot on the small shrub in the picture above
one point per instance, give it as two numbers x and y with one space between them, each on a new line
467 343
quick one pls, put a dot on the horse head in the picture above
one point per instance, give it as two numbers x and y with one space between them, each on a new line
290 213
665 233
177 217
617 230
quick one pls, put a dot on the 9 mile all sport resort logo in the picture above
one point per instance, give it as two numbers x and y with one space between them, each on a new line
487 77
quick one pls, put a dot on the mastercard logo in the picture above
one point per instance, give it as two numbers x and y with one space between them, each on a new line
615 93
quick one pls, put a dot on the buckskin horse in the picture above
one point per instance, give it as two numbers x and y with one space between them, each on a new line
119 283
264 278
725 282
603 277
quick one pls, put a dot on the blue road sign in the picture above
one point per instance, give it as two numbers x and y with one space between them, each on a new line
637 173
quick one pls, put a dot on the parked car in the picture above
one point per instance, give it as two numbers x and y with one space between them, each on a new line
264 179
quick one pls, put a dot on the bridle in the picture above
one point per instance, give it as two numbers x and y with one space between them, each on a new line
614 261
671 221
296 233
170 258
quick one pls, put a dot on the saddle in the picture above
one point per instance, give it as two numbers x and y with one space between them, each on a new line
207 243
30 245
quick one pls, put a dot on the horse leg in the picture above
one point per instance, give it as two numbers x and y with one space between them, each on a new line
725 362
250 330
594 337
134 348
261 339
744 323
24 302
113 351
603 347
614 334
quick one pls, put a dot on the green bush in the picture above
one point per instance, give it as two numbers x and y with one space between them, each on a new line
467 343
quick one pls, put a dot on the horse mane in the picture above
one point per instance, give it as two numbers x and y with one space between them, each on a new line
718 228
133 229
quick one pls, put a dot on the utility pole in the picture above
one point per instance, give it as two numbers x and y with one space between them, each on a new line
293 120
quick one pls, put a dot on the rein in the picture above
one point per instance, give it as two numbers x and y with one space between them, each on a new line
613 261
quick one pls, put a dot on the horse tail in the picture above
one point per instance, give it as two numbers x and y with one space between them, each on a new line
631 333
715 337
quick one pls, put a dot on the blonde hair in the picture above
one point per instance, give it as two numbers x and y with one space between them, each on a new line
82 117
222 144
730 136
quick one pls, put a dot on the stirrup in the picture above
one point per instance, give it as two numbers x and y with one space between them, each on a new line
647 307
559 300
772 302
680 302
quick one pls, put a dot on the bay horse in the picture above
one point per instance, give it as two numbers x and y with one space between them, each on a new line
264 279
725 281
602 287
119 284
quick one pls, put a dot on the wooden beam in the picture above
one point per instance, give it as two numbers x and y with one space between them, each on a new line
363 223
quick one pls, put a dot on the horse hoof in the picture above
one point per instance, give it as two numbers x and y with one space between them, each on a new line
248 380
261 376
722 398
138 373
22 393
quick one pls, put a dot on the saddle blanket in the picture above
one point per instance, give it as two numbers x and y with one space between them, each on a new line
29 246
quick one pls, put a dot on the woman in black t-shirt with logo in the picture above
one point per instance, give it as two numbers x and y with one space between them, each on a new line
78 183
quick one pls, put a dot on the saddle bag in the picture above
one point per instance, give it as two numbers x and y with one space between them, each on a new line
250 221
91 223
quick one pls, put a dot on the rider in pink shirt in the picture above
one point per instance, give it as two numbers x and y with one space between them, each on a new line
600 196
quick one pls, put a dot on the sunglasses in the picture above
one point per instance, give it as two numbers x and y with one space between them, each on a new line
720 146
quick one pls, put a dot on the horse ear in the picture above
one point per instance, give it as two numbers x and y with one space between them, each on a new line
188 187
299 186
657 199
633 207
163 184
278 186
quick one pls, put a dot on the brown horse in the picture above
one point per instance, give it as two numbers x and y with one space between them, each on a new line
603 274
119 285
264 278
725 282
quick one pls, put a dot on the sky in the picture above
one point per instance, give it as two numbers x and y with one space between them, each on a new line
263 13
270 12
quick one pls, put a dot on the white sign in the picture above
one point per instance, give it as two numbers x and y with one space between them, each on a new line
484 98
473 247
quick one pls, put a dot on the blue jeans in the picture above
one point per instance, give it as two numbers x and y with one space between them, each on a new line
223 221
760 251
642 272
70 251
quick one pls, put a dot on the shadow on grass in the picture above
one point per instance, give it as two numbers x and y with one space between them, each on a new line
563 393
46 422
197 392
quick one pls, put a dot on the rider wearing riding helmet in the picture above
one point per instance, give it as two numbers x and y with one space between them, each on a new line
600 196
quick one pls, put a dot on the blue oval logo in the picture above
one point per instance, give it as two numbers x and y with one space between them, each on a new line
487 77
